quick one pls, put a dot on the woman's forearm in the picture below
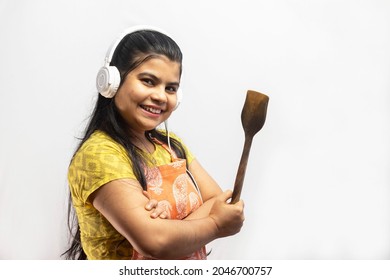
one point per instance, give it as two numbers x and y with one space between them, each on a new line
175 239
203 211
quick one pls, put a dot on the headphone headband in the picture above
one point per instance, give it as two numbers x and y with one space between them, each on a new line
132 29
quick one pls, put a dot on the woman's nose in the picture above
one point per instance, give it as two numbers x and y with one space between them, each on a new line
159 94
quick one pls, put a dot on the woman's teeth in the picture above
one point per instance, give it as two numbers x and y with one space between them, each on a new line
152 110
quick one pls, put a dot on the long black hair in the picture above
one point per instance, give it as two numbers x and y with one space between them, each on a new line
131 52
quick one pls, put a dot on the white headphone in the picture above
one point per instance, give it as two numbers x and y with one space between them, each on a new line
108 78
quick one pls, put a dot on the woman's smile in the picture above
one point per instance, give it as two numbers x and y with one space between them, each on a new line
152 109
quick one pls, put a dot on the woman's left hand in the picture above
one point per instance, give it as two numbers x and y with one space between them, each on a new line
157 211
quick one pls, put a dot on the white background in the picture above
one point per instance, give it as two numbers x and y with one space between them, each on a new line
317 184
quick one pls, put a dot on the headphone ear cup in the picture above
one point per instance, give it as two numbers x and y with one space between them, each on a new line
107 81
179 97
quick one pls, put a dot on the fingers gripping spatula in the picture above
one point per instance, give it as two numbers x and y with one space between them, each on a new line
252 118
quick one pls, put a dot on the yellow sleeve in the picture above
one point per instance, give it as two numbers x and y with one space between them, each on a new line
99 161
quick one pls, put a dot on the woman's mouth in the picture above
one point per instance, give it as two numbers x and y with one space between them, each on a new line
152 110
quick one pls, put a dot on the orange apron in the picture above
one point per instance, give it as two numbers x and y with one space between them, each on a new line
173 188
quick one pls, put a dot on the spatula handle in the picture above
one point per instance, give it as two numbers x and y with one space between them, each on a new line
241 170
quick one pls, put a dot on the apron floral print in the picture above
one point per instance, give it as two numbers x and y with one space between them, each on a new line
173 188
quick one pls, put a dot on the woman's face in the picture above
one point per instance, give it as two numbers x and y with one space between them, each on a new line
149 94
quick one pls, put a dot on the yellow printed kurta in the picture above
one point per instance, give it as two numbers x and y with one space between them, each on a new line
99 161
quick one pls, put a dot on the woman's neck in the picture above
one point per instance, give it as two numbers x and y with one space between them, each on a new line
141 141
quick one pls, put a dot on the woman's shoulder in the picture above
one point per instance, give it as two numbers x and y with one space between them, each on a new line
98 137
100 143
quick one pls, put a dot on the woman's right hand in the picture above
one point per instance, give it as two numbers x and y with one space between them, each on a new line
228 218
155 208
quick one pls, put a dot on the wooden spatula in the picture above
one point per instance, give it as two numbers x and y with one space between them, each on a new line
252 118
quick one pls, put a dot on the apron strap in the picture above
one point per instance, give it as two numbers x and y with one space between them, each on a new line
165 146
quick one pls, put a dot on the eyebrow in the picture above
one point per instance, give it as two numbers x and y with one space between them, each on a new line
154 77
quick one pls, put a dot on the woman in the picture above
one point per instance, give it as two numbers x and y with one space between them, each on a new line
130 183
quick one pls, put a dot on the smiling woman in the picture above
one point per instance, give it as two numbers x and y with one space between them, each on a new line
133 195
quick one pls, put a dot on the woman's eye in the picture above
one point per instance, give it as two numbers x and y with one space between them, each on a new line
148 82
171 89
